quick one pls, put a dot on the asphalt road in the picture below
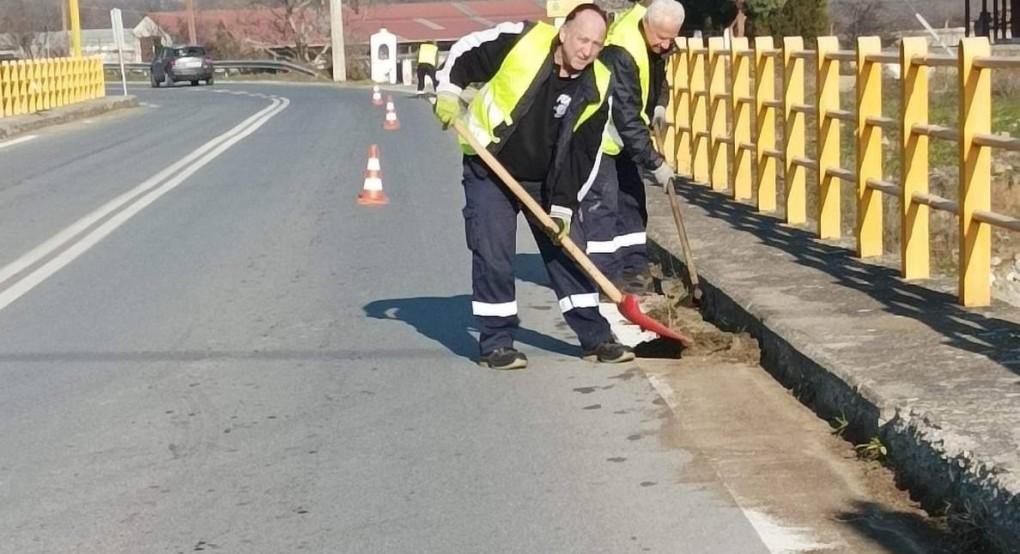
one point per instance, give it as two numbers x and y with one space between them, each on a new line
233 355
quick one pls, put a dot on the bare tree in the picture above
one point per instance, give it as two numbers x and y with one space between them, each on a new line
25 26
299 21
859 18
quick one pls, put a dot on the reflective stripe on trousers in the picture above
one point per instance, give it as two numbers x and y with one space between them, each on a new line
490 219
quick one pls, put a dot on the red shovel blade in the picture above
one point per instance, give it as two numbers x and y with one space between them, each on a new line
630 307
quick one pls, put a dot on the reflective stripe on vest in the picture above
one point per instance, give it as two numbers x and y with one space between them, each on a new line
428 53
496 101
626 33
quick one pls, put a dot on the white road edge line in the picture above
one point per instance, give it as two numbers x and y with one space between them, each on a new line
18 140
30 281
776 537
61 238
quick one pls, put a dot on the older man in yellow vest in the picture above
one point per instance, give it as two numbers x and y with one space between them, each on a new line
541 111
428 60
613 212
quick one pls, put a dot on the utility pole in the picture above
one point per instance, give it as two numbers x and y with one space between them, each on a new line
189 6
336 26
75 29
63 25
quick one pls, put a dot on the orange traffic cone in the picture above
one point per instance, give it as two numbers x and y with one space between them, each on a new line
391 123
376 96
371 192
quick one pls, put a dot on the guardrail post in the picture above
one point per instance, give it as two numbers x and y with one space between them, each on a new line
699 111
61 82
765 92
717 110
914 247
869 148
976 173
682 107
21 88
827 91
100 77
5 89
740 64
48 84
33 86
794 131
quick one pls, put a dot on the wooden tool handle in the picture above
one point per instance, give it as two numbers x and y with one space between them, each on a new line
692 272
543 218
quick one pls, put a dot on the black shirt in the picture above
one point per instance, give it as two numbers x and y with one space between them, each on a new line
528 151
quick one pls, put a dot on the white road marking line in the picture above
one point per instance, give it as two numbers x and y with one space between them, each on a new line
77 227
201 156
18 140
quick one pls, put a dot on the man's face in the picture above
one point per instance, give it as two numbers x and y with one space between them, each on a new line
581 40
660 35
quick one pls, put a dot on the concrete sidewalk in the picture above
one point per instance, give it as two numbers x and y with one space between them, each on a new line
16 125
939 384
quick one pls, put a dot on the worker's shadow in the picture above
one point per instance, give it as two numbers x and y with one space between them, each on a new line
448 321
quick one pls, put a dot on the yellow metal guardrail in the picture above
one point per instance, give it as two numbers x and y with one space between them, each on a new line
31 86
724 132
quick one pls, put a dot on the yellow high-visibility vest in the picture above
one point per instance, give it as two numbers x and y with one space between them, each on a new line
626 33
497 100
428 53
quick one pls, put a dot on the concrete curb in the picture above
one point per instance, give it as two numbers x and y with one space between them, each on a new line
16 125
934 461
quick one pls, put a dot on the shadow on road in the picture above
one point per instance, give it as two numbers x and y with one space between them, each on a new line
904 532
448 321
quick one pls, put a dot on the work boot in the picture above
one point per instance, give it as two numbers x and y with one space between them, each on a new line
504 358
610 352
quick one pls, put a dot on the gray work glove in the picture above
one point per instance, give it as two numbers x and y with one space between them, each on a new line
659 119
663 174
561 217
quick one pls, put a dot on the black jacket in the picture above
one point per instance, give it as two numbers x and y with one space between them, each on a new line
628 103
477 57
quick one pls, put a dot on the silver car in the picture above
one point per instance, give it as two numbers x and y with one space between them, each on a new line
181 63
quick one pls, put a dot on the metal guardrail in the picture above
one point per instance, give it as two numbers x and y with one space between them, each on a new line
232 64
720 138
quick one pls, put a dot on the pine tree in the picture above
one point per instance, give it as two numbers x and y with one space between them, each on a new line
805 18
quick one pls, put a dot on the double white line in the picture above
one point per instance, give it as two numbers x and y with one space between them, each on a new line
129 204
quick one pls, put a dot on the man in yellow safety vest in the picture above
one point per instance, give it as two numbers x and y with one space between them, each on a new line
428 57
613 211
541 111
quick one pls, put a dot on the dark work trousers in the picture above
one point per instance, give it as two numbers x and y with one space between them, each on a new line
423 70
598 214
632 221
490 220
614 218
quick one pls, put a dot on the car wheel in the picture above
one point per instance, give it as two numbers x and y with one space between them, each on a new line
153 81
168 80
194 83
209 81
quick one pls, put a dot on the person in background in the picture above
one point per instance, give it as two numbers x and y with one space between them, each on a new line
613 212
428 58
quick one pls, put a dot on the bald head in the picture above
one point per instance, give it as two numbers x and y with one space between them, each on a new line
581 38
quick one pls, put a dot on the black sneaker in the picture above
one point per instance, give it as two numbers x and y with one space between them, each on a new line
504 358
610 352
